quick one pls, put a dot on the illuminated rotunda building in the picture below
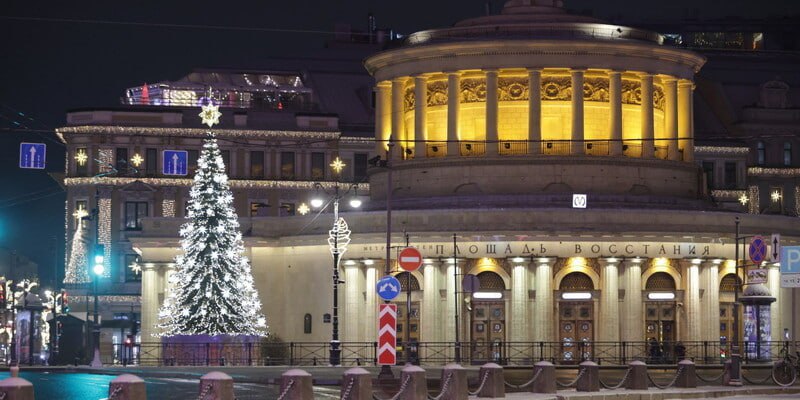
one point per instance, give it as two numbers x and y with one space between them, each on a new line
490 128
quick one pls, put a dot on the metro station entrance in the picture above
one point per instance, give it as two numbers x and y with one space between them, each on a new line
408 323
488 330
576 318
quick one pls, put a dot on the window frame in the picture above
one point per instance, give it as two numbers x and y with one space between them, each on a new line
137 226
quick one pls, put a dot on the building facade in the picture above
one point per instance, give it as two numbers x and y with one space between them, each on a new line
585 218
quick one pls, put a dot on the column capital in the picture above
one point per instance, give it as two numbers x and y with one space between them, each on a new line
534 69
384 84
491 70
615 72
645 75
609 261
452 73
575 70
399 79
540 261
421 76
686 82
636 261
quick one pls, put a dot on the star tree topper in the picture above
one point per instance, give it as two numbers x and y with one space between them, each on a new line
210 114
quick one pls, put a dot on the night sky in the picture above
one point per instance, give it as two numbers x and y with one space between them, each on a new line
49 65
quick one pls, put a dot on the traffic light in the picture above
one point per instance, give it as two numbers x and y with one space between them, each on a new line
2 294
99 258
64 299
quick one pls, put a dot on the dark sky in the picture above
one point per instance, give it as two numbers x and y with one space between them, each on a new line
48 67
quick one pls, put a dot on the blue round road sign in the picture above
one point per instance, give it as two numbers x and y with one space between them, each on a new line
758 250
388 288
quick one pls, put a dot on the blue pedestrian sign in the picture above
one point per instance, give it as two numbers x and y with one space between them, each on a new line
790 260
388 287
174 162
32 155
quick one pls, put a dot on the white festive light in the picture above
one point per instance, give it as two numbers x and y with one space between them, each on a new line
81 157
303 209
211 291
743 199
210 114
339 237
77 265
137 160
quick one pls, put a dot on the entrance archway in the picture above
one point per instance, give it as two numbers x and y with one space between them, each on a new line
408 321
728 285
488 315
660 319
576 317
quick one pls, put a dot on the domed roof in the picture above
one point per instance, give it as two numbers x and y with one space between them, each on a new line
533 19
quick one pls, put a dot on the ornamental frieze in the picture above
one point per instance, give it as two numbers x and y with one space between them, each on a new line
595 89
556 88
408 99
631 92
513 89
658 97
437 93
473 90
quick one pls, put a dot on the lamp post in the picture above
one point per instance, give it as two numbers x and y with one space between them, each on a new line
736 357
338 239
98 269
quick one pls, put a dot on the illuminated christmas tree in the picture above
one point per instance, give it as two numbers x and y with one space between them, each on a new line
77 267
211 291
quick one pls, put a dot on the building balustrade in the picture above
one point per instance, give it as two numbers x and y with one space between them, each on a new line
473 148
478 148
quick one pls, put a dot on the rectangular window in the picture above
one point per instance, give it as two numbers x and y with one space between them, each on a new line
318 166
226 159
708 171
132 275
259 209
730 175
121 161
81 161
134 212
193 155
287 165
360 167
257 164
151 162
287 209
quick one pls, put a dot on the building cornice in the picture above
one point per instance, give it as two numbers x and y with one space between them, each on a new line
782 172
195 132
234 183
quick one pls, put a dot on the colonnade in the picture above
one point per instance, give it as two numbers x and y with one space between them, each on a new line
678 125
531 299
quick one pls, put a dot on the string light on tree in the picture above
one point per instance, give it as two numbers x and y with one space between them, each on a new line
77 266
211 291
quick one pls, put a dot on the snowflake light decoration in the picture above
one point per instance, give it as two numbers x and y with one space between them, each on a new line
137 160
210 114
81 157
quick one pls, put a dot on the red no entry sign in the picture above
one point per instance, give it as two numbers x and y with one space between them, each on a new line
410 259
387 334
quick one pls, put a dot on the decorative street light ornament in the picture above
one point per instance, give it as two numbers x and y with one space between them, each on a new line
339 237
210 114
338 165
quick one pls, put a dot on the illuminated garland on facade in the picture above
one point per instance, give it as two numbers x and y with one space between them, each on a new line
761 171
722 150
106 157
104 233
195 132
754 200
797 201
235 184
727 194
168 208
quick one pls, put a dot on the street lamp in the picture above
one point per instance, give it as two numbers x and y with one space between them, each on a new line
98 268
338 239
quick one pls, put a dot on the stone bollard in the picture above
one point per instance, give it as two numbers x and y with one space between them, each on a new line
216 386
15 372
417 386
491 376
356 385
454 382
637 380
15 388
726 374
296 385
127 387
687 378
589 380
546 382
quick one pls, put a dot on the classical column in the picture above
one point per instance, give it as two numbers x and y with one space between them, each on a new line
671 117
576 145
519 303
371 303
453 98
452 274
710 301
685 139
543 326
609 300
150 305
398 125
615 115
420 115
691 301
352 323
383 117
491 113
648 134
632 320
534 111
431 330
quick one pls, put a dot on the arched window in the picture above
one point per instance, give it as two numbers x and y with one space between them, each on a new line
787 154
660 281
403 277
761 153
575 281
307 323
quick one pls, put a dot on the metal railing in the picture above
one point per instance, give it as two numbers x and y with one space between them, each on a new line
513 147
559 147
435 149
598 148
440 353
472 148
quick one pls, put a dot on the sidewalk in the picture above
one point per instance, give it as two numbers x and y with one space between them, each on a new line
703 392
